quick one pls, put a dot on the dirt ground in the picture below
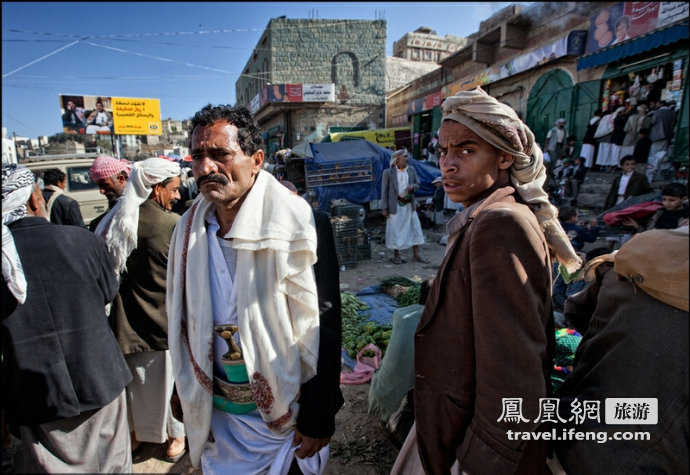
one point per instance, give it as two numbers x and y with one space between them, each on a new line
361 444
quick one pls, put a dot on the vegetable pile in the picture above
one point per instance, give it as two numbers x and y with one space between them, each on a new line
358 331
405 291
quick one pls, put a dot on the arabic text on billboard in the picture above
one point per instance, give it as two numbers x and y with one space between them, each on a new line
137 116
105 115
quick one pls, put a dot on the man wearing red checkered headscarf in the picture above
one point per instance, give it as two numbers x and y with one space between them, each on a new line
110 174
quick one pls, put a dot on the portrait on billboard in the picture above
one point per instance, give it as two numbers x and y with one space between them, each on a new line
99 115
73 114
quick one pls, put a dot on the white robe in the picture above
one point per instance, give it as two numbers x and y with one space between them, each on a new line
277 306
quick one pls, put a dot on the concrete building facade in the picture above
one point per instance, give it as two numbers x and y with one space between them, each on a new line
552 60
310 76
425 45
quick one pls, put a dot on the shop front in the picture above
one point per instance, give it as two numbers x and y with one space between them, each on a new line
650 66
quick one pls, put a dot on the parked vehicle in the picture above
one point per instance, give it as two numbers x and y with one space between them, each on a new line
79 184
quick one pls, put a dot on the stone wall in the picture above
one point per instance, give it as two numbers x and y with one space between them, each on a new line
349 53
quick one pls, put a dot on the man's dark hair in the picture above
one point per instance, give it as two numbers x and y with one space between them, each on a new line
249 135
626 158
165 182
571 137
566 212
675 189
53 176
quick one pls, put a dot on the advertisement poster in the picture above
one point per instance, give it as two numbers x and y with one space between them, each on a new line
105 115
134 116
626 20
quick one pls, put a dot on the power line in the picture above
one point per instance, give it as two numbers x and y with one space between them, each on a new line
40 59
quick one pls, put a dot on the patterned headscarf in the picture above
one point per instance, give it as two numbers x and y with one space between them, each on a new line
501 127
17 186
120 226
104 167
397 154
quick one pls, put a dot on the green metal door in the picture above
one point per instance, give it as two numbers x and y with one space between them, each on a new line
587 101
549 100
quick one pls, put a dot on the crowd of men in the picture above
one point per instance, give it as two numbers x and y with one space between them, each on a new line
218 332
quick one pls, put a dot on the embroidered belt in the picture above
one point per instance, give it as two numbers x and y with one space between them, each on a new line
236 395
403 200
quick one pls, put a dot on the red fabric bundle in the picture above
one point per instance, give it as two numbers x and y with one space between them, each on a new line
640 210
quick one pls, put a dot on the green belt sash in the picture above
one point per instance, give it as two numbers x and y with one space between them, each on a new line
235 395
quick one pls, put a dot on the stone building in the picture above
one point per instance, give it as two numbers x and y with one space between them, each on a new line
550 60
425 45
308 77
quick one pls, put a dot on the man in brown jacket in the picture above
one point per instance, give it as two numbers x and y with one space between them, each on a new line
488 316
138 231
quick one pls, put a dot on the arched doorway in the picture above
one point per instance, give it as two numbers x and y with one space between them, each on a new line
549 99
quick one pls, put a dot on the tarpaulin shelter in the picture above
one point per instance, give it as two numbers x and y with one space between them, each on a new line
353 169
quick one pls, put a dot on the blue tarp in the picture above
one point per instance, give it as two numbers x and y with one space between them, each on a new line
360 193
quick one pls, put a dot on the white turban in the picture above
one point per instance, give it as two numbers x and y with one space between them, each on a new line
501 127
17 186
119 227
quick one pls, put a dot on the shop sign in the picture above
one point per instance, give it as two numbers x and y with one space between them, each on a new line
677 75
318 92
571 44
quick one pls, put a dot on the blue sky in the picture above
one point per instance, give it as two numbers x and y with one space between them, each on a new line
185 54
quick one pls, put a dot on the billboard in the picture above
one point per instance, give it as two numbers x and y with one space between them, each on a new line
106 115
623 21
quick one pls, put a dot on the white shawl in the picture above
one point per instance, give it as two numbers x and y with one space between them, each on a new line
120 226
277 306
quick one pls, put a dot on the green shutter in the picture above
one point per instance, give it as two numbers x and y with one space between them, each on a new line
549 99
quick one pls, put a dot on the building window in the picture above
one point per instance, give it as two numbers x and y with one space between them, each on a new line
415 53
427 55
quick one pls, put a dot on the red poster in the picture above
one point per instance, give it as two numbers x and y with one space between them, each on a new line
294 92
432 100
643 17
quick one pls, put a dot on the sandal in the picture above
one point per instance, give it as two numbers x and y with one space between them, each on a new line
396 260
174 454
420 259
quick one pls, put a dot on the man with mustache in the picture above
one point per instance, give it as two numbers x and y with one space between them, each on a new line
488 316
137 231
240 278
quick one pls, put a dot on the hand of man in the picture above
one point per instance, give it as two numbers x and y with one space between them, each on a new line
384 212
628 221
309 446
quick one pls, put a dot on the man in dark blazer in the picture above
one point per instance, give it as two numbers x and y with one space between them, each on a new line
628 183
634 345
61 208
321 395
63 373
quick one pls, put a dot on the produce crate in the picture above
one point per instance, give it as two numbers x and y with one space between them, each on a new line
340 173
352 211
345 232
363 245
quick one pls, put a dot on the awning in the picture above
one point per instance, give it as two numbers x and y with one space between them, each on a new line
647 42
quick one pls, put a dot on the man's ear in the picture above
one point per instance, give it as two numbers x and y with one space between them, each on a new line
258 159
155 191
32 203
505 160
